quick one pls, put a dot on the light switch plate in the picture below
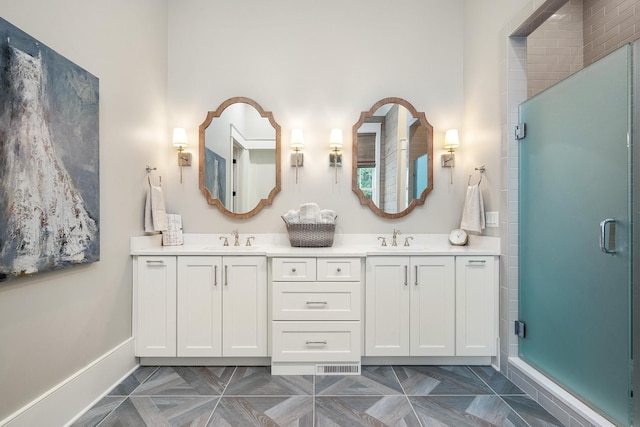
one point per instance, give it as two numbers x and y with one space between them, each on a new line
492 219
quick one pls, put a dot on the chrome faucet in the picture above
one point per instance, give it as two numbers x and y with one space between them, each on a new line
236 236
394 242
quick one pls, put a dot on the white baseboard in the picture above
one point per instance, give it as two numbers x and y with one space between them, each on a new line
64 402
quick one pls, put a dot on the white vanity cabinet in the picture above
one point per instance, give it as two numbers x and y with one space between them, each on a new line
315 314
431 306
210 306
476 305
155 306
410 306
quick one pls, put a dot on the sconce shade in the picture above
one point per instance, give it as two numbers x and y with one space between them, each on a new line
451 140
179 137
297 140
335 139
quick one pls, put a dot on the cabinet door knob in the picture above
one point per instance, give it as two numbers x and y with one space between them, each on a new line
339 269
293 270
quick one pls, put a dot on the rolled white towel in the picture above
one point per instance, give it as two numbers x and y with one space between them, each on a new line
309 213
292 216
327 216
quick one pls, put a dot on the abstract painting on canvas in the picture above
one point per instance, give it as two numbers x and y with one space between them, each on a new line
49 159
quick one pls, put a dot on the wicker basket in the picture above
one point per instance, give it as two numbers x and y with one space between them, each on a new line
310 235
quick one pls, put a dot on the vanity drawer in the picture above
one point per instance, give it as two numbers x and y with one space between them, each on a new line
294 269
316 301
316 341
339 269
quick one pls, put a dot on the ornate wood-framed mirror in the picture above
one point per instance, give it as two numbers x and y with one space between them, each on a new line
392 170
239 157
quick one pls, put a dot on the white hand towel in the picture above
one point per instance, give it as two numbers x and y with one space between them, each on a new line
327 216
155 214
473 212
309 213
292 217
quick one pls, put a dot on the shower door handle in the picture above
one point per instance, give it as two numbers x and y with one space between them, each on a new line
608 235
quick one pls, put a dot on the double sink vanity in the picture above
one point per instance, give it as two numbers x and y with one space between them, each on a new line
315 310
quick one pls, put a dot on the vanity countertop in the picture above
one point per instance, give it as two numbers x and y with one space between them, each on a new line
344 245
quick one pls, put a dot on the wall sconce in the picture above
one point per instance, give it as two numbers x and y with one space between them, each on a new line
335 143
180 142
297 142
451 142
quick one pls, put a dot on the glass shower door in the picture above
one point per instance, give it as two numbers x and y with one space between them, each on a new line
574 256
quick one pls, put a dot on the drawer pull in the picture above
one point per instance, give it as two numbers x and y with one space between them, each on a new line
477 261
293 270
155 262
316 302
339 269
323 342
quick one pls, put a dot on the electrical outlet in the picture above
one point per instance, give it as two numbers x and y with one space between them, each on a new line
492 219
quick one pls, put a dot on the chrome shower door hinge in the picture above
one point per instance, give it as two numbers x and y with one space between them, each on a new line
521 131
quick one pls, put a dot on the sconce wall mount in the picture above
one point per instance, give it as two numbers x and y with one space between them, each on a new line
451 142
180 142
296 143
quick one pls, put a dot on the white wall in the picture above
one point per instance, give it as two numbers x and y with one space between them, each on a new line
317 66
54 324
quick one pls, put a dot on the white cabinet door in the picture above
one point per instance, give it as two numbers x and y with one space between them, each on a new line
155 305
432 306
244 312
476 310
387 306
199 306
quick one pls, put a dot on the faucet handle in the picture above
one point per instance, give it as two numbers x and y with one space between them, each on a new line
384 240
396 232
249 240
226 241
406 240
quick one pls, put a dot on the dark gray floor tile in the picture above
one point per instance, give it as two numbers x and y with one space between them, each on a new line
98 412
294 411
355 411
162 411
465 411
440 380
186 381
534 414
374 380
498 382
126 387
251 381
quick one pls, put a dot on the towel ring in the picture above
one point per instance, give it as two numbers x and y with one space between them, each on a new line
481 169
149 169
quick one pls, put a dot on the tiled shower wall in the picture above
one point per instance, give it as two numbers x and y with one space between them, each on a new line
555 49
578 34
609 24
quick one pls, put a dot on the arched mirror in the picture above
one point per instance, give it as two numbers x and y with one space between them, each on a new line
239 157
392 158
